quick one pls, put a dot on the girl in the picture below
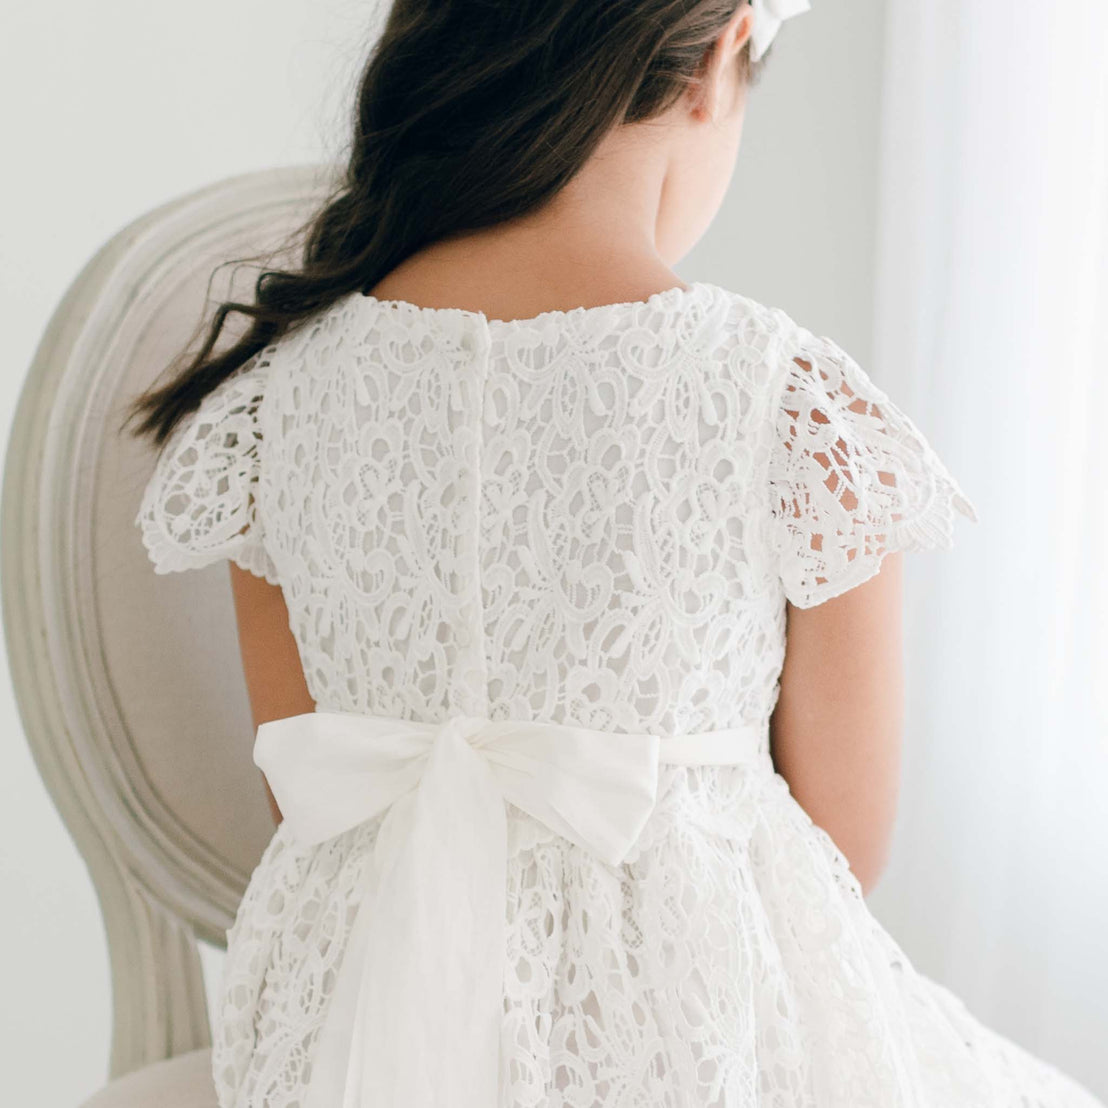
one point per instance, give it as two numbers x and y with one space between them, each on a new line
569 601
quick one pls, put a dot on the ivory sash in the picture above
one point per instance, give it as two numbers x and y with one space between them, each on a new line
414 1020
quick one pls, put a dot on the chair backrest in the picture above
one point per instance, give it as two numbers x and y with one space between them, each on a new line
130 683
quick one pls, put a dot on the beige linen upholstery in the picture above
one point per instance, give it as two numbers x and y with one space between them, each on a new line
181 1082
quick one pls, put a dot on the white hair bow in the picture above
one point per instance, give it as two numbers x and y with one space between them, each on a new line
768 17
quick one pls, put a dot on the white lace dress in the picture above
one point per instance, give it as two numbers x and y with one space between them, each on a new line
591 517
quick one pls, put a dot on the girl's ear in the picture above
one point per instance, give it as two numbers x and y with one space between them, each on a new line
740 27
716 91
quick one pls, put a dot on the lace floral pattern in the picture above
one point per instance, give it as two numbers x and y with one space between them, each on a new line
729 962
199 506
853 477
589 517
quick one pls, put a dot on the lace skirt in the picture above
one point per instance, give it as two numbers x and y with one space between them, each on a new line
729 961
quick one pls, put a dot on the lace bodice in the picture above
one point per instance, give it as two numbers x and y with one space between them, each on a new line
592 517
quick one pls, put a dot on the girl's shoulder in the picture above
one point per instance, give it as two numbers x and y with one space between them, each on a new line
851 476
200 502
768 336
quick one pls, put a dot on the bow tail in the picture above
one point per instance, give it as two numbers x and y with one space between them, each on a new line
420 1025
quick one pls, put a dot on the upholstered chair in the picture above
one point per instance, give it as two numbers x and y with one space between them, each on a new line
129 683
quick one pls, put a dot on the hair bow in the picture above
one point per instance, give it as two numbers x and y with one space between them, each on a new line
768 17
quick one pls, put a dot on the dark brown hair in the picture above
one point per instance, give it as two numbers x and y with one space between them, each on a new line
468 113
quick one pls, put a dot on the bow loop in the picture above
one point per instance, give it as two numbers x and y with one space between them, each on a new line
768 17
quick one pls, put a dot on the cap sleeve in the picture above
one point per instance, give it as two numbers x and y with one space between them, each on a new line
851 477
200 504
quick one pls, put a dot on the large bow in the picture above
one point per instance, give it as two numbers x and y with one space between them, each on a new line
768 17
414 1020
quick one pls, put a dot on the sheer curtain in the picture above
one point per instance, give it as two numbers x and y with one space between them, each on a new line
992 324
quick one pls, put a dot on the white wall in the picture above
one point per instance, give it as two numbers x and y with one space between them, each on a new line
111 109
798 228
